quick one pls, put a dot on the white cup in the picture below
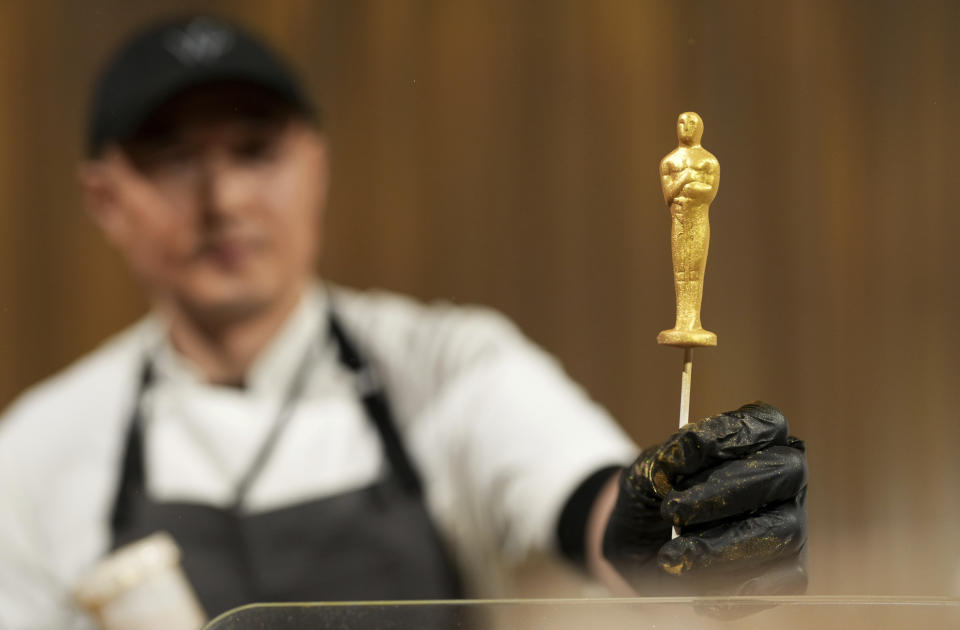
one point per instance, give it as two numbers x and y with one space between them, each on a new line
141 586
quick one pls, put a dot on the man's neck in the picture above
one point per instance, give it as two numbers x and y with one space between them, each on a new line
225 350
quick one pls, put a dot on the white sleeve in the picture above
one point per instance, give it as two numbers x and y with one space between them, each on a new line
502 435
57 446
520 437
32 594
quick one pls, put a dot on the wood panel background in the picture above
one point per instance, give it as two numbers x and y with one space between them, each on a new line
506 153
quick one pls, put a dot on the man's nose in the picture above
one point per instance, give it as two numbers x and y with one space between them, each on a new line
224 188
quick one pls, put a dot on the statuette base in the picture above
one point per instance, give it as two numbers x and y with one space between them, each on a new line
687 338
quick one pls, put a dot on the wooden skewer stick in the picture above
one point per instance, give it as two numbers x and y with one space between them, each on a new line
685 379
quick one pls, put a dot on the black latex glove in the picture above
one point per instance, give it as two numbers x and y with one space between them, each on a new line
735 486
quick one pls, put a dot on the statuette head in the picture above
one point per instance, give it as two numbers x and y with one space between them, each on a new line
689 129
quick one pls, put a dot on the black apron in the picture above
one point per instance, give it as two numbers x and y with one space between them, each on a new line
377 543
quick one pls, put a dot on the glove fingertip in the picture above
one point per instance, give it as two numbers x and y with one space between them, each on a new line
676 510
675 564
680 556
795 442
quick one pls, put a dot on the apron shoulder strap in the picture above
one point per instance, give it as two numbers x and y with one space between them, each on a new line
131 471
374 400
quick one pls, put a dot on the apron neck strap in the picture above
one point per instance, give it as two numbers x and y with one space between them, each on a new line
372 396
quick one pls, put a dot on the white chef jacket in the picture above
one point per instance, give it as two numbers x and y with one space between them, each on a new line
500 435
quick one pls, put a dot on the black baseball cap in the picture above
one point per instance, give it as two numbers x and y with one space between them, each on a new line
165 59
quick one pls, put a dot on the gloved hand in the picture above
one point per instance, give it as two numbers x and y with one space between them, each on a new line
735 487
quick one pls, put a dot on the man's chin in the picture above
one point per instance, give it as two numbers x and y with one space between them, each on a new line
224 308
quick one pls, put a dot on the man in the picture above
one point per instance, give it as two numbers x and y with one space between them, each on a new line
303 441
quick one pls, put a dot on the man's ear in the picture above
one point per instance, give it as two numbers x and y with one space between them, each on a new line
323 168
319 169
100 200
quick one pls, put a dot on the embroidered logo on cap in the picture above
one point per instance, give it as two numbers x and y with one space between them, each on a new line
200 42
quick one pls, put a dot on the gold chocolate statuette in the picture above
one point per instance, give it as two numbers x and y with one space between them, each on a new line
689 176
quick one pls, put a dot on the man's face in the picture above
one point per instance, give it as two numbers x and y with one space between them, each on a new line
216 202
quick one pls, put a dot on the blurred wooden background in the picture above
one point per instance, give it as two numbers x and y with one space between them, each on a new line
506 153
